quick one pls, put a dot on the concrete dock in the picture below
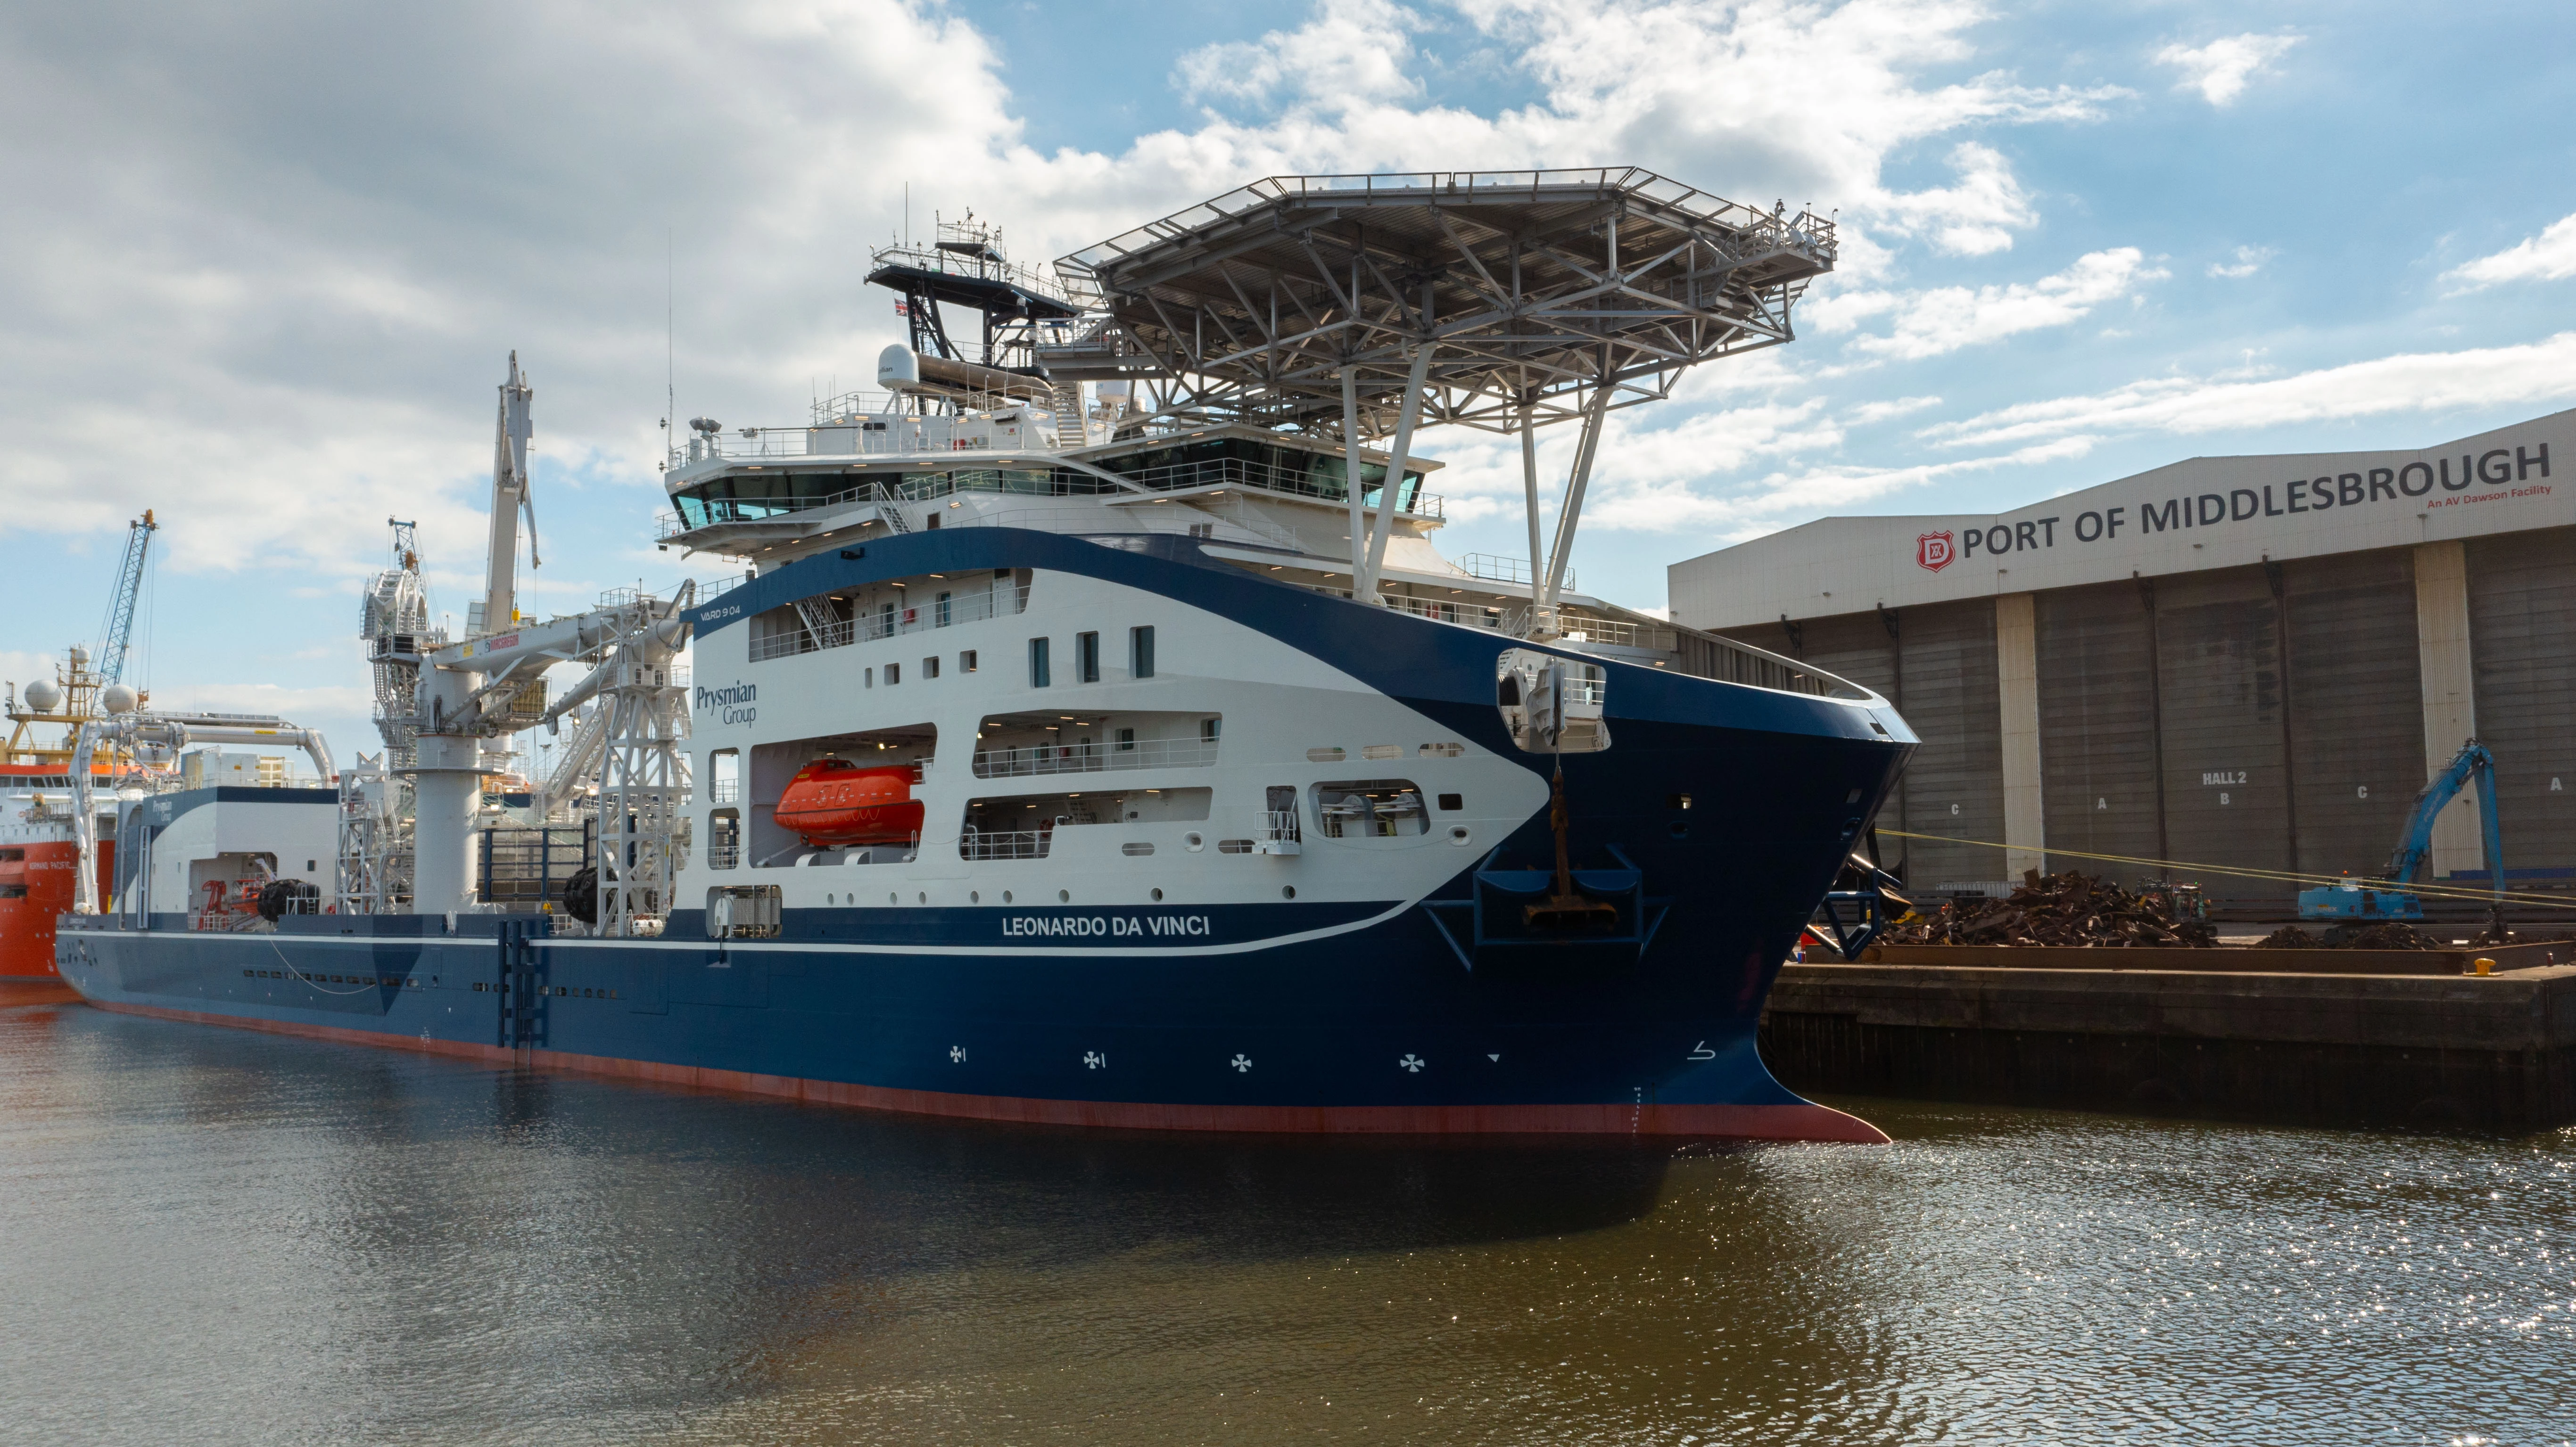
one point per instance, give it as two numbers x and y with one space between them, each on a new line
2440 1050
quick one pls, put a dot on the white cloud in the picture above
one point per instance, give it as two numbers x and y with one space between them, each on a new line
1783 499
290 282
2221 69
2249 260
1945 319
1972 218
1351 54
2550 256
1870 412
2489 377
1794 101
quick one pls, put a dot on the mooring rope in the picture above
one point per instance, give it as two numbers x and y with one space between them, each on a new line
2435 891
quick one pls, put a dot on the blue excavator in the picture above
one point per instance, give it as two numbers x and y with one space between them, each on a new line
2354 903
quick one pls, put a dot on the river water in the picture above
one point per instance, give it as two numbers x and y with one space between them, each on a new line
214 1236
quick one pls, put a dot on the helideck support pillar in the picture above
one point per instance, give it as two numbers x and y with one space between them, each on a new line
1351 474
1392 492
1541 624
1569 516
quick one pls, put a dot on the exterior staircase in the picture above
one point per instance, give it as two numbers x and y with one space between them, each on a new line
1069 430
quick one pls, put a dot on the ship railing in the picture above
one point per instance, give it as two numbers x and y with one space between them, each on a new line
916 487
222 921
1727 661
956 608
981 265
724 856
1036 759
1279 826
1005 843
1499 568
881 434
724 791
1470 615
1616 632
1805 233
1262 477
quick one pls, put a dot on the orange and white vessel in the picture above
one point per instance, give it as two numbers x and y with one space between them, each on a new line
39 846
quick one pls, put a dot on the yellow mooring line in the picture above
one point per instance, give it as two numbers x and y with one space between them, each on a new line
2431 891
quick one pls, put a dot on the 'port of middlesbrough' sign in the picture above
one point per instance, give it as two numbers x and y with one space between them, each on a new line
2497 473
2207 512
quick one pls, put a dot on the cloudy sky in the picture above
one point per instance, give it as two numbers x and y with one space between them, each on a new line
265 262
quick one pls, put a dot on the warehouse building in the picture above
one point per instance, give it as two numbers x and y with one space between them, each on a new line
2251 662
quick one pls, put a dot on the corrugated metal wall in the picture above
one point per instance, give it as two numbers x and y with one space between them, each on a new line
1954 786
2522 630
1856 646
2227 794
2312 774
2097 734
2356 712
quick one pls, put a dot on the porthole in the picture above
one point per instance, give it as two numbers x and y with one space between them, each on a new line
1064 896
1194 841
1458 834
924 896
1006 896
1287 891
974 896
893 898
1158 896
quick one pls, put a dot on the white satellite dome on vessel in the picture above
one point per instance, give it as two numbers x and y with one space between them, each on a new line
898 369
118 698
43 694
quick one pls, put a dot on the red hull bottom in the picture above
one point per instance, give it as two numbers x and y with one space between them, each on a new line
35 990
1804 1122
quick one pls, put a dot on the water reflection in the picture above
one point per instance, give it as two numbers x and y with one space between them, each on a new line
225 1237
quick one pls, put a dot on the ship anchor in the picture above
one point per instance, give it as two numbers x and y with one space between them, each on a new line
1567 909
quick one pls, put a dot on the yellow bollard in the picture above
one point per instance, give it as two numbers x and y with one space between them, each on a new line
2483 965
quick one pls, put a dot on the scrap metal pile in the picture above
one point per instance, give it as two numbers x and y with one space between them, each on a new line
2071 909
2385 936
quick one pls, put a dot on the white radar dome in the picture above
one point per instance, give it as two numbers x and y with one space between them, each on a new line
898 370
43 695
117 698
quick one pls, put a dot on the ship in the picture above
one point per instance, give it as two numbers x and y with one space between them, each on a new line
39 849
1093 734
39 840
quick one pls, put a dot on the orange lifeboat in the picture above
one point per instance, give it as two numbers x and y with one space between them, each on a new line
832 802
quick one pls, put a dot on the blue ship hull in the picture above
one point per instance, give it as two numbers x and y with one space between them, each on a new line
1397 1015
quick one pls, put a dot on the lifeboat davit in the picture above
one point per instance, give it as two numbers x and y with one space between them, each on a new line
833 802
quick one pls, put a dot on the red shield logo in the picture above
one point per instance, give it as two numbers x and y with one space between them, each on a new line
1935 551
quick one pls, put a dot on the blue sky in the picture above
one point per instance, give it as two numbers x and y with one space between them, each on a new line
266 265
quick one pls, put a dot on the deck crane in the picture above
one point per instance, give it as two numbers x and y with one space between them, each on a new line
2355 902
120 604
